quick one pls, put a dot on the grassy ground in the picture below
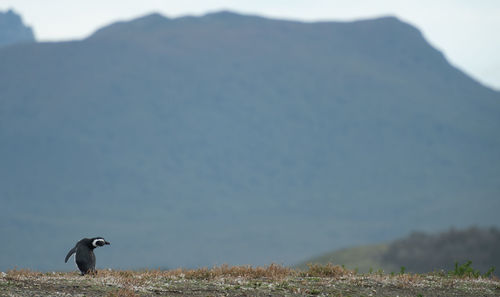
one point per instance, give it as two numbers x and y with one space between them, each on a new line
273 280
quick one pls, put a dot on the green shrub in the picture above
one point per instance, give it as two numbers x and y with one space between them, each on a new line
466 270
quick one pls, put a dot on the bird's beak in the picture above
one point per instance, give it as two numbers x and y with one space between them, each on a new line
106 242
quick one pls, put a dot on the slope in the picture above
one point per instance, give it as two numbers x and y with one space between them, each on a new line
420 252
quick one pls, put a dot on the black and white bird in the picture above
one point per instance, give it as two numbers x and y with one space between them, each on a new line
84 257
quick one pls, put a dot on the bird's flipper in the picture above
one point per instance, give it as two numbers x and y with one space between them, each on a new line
71 252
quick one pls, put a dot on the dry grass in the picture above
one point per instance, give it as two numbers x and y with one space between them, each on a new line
272 271
328 270
273 280
17 274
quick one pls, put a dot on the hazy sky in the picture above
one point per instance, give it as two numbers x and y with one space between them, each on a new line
468 32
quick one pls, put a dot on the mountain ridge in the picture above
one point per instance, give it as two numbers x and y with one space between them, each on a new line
383 22
12 29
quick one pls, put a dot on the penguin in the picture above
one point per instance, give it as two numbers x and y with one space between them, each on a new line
85 258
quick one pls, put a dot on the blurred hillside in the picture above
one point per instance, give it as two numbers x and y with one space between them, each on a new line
238 139
421 252
12 29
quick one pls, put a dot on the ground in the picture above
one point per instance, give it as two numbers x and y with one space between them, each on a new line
273 280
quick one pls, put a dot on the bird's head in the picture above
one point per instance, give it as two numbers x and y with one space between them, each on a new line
98 241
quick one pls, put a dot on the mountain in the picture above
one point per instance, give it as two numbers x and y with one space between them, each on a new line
12 29
421 252
238 139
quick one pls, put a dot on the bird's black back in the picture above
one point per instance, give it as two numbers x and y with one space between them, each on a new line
84 256
85 259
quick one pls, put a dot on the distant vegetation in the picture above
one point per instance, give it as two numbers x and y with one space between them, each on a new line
473 251
421 252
